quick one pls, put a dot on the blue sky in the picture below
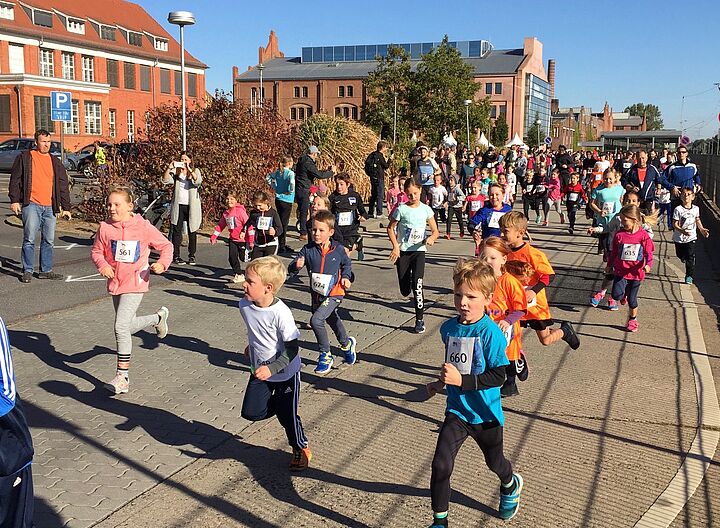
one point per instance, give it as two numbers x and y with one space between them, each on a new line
620 51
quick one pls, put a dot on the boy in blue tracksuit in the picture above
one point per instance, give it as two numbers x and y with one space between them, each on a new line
330 271
473 372
16 450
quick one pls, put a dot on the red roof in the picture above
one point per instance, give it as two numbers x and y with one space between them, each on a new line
127 15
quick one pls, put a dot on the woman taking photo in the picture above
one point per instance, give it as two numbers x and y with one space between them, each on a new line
185 205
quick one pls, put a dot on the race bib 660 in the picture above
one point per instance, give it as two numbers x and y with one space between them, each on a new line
459 353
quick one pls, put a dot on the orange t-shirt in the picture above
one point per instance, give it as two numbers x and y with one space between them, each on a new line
42 178
509 296
539 262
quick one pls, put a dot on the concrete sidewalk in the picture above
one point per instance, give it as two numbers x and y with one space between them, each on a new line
597 433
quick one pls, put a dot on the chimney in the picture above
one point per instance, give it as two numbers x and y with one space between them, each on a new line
271 51
551 76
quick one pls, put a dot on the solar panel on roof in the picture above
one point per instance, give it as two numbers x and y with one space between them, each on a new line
368 52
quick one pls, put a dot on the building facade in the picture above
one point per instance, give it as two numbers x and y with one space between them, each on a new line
329 79
114 58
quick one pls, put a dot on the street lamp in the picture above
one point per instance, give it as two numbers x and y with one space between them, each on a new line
395 120
182 19
538 123
467 102
260 68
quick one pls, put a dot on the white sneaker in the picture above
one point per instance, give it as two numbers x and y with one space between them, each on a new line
237 279
118 385
162 327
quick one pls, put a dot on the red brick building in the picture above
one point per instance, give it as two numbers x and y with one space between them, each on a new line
329 79
114 58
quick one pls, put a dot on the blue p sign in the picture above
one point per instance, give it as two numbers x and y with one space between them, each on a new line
61 106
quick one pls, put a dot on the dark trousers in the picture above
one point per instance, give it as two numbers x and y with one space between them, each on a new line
263 251
686 253
377 195
626 288
410 270
236 255
302 198
572 214
283 209
177 236
457 213
440 215
665 209
16 500
265 399
453 433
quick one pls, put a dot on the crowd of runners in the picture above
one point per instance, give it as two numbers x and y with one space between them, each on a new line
500 280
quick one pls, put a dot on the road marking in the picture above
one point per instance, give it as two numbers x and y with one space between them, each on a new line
66 248
86 278
697 460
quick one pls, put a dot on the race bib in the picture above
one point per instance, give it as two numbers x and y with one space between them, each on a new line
494 220
230 221
414 235
459 353
529 188
484 188
475 206
509 333
631 252
540 188
321 283
345 219
608 208
573 197
426 172
264 223
126 250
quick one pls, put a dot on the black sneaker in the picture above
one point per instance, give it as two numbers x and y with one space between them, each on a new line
508 390
191 261
51 275
26 277
521 367
569 335
179 261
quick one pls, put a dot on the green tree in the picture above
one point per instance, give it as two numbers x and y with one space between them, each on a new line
442 82
391 77
590 133
499 133
652 114
532 133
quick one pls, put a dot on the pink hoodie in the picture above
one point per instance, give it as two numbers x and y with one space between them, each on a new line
234 219
125 247
554 189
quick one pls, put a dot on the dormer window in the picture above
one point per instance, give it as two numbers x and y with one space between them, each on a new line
107 32
7 10
135 39
75 25
161 44
38 16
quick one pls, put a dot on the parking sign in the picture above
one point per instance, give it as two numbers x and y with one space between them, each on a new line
60 106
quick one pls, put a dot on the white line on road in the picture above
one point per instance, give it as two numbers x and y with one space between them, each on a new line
86 278
697 460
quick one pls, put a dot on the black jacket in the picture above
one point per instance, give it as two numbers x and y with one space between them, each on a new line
306 172
21 182
379 165
564 159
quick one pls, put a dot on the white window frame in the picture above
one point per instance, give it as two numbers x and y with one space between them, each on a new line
88 68
131 125
161 44
7 10
68 65
112 123
47 62
73 127
75 25
93 118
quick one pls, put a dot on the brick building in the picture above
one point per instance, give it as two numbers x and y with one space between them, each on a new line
114 58
329 79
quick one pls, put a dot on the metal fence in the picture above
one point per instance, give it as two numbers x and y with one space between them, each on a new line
709 167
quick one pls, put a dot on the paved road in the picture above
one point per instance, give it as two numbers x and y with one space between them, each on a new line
597 433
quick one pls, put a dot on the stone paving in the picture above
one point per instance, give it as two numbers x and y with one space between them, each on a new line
597 433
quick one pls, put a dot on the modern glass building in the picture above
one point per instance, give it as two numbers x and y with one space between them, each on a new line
369 52
537 103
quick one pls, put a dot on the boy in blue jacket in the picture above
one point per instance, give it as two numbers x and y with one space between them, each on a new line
16 450
473 372
330 271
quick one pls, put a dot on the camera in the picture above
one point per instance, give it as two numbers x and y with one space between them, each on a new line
178 164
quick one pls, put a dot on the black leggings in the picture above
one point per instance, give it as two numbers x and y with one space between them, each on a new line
283 209
410 271
183 216
686 253
572 214
453 433
626 288
263 251
458 214
236 254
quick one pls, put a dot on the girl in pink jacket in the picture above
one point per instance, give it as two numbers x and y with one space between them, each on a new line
121 253
235 218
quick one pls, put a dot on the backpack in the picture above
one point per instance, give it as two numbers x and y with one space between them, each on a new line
371 165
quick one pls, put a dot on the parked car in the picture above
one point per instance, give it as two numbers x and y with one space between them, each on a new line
11 148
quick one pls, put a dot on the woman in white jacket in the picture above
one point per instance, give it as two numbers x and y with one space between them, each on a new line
186 206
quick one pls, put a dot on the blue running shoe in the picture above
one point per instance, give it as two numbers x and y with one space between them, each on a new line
349 351
325 363
510 503
688 280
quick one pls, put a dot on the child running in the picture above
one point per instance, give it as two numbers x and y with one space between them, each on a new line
554 196
235 219
475 202
486 222
507 307
456 206
605 201
514 229
686 224
330 271
408 254
393 193
438 198
274 385
473 371
121 253
663 205
631 257
264 225
347 206
573 193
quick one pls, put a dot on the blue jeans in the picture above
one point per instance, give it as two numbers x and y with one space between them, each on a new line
327 311
38 218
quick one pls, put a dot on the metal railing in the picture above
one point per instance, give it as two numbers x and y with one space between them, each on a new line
709 167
